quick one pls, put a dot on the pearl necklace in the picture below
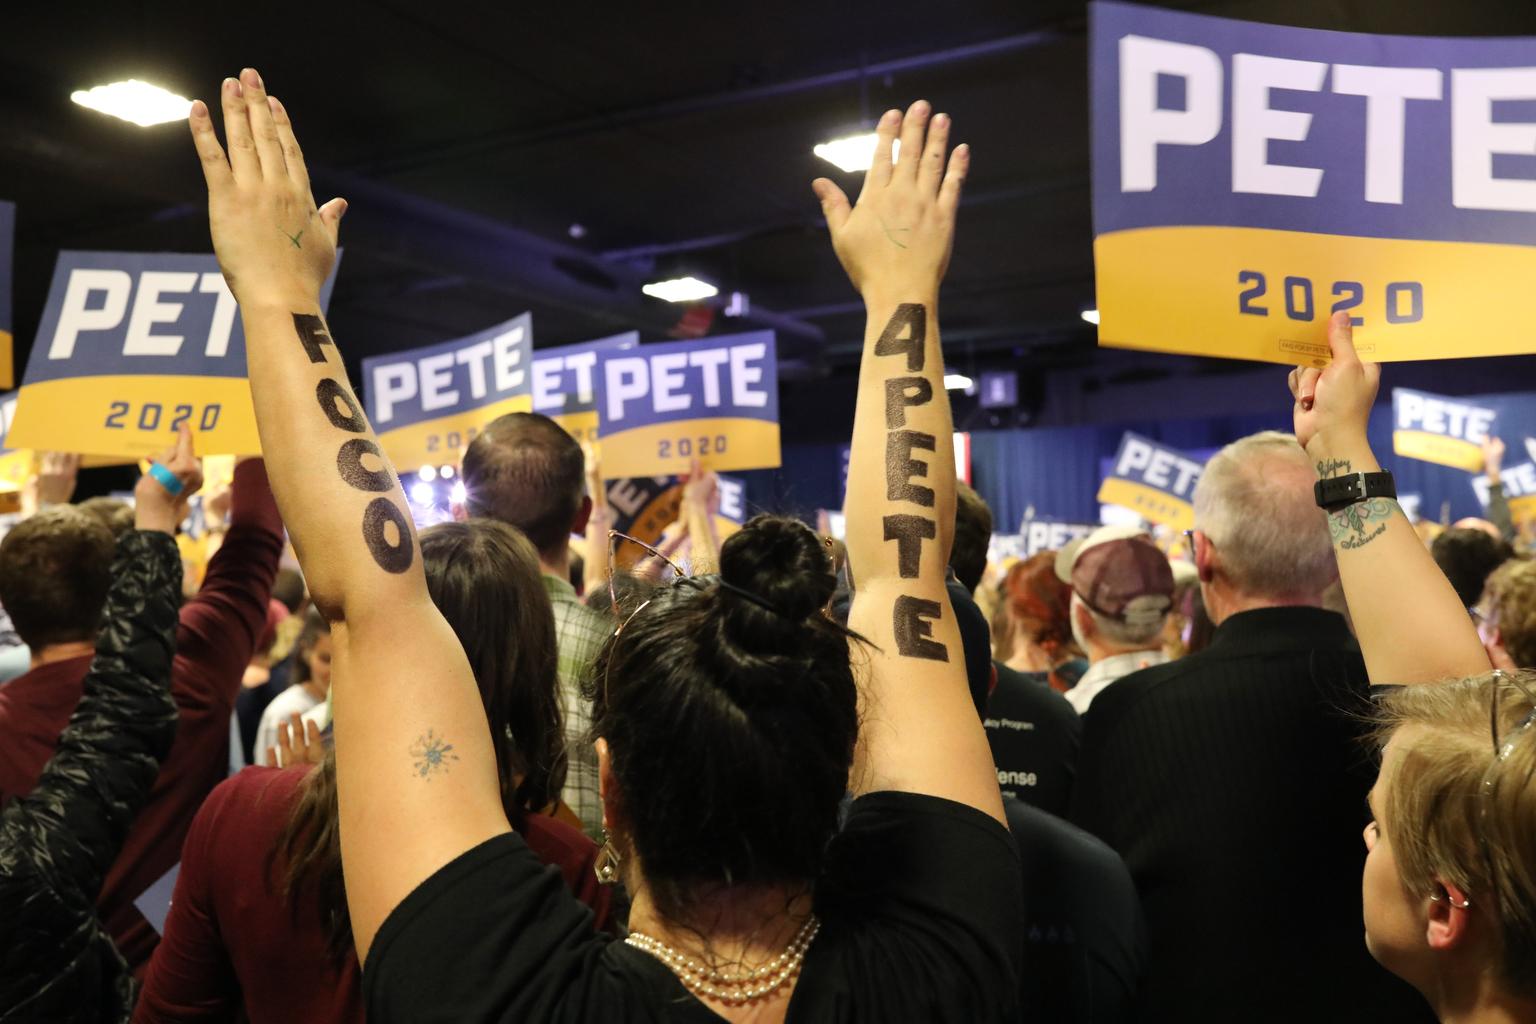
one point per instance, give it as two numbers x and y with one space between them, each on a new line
731 989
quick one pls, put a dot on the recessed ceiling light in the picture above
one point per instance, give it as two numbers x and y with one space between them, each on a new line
680 289
1091 315
855 152
957 382
135 101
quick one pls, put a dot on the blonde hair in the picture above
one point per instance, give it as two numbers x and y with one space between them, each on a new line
1442 825
1511 590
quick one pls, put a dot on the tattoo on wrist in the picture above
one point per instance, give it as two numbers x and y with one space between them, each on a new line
912 618
1333 467
431 755
1359 524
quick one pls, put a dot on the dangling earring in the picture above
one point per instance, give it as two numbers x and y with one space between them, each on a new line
606 867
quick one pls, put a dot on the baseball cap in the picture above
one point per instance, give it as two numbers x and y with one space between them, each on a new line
1119 573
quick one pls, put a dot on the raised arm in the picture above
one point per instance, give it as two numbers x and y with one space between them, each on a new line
1411 625
415 769
921 733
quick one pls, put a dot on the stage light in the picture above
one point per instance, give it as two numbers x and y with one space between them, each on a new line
135 101
422 493
957 382
680 289
427 473
457 494
854 152
1090 315
446 472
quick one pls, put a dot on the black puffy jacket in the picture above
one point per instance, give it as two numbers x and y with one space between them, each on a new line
56 962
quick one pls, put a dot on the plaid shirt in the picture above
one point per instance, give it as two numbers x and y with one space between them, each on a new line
579 633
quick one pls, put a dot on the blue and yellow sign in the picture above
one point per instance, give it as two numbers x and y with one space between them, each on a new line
1432 428
1154 481
16 464
565 383
1045 534
428 403
1251 180
130 347
715 400
7 257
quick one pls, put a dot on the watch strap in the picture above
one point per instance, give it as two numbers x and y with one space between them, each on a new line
1339 492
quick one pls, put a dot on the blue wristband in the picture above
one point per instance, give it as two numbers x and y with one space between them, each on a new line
165 478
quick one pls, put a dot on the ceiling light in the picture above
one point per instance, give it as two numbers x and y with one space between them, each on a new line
422 493
680 289
135 101
1091 315
854 153
957 382
427 473
457 493
446 472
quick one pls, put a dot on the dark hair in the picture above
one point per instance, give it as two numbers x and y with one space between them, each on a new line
54 571
973 535
290 589
114 513
484 577
1467 557
315 627
525 470
730 710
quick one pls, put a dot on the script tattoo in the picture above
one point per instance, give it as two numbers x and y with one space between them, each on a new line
912 618
1352 527
313 335
386 531
1333 467
431 754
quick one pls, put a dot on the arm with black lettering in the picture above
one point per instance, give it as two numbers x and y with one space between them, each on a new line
1411 625
921 732
415 768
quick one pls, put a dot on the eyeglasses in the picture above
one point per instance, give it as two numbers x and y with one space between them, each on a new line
1502 748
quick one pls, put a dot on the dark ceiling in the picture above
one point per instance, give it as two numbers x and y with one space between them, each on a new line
470 138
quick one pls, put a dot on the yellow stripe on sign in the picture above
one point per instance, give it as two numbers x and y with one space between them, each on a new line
7 361
1177 289
1437 448
16 468
661 449
580 425
1148 502
442 441
135 416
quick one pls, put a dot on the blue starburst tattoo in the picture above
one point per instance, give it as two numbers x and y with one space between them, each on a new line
431 754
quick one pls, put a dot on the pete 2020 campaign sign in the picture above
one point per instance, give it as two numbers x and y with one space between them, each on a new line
1153 480
1250 180
7 257
716 400
130 347
1447 431
427 404
565 383
15 464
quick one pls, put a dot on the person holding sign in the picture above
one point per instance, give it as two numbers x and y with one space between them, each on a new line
727 706
1449 896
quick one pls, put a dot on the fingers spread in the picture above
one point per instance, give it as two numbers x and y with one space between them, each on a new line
930 171
879 174
272 761
912 128
954 179
269 149
237 134
293 156
834 203
209 152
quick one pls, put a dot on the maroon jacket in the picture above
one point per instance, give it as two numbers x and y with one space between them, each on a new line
216 636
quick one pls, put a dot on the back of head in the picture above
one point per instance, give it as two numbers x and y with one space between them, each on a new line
290 589
525 470
55 568
1510 595
115 514
1468 556
1039 606
730 711
1255 504
484 577
973 534
1455 813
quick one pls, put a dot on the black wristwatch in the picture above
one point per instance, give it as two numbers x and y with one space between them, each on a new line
1339 492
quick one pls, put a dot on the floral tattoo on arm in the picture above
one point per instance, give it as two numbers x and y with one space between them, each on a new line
431 754
1361 523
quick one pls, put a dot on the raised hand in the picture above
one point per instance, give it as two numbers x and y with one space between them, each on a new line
298 742
56 475
158 502
274 246
899 236
1332 405
1493 457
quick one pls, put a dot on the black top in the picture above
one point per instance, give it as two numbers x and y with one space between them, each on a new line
1085 943
920 909
1233 783
1034 734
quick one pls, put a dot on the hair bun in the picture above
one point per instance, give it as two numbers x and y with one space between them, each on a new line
781 561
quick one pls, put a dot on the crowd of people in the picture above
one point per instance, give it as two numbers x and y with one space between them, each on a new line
1289 776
